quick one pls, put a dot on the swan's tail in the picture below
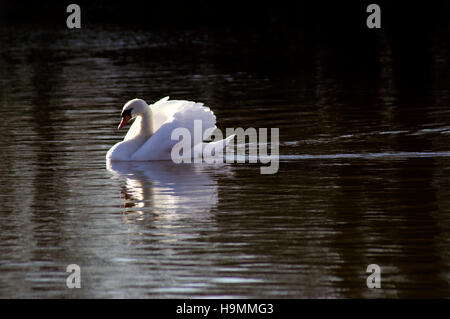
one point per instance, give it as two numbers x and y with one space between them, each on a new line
212 148
220 144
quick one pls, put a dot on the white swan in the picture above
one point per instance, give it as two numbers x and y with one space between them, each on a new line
149 137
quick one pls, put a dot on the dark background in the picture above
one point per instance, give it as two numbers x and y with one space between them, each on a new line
281 29
363 118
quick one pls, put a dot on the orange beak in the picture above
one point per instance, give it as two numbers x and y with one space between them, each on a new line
124 121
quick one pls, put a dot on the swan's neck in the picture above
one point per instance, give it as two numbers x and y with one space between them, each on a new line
140 131
146 127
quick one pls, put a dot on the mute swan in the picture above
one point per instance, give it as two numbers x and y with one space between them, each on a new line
149 137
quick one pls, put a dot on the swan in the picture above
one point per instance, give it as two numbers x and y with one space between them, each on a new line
149 137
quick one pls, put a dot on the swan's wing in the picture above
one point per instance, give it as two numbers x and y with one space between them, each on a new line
161 112
185 111
180 114
159 145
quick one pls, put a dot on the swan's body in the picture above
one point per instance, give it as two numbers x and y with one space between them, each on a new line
149 137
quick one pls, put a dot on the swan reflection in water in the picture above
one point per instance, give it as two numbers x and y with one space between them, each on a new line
167 191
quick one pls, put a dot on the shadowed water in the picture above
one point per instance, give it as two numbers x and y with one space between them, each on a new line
363 177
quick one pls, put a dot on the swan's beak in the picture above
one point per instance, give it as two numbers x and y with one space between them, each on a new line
124 121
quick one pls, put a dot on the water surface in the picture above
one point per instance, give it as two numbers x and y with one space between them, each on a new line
363 177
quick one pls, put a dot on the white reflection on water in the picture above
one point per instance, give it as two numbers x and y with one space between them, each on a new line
165 190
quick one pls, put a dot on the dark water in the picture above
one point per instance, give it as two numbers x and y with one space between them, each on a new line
363 177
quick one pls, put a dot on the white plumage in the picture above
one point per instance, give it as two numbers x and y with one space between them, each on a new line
149 137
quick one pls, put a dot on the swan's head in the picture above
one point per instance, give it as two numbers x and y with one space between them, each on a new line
132 109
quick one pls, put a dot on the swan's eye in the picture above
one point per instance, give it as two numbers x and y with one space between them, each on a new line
126 112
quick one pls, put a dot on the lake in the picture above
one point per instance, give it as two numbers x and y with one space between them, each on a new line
363 171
